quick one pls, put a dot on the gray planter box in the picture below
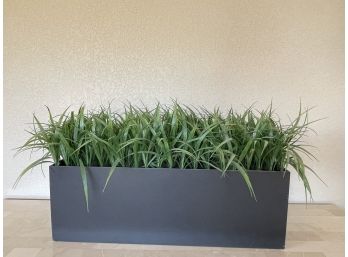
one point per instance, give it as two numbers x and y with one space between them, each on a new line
170 206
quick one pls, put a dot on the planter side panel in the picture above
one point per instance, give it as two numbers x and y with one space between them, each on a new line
170 206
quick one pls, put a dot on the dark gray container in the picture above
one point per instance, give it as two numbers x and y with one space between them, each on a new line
170 206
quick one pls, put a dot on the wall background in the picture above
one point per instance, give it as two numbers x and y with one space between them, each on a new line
212 53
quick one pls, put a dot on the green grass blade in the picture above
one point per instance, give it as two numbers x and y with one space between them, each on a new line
83 172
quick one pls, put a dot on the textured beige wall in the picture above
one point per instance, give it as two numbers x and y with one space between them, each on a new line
213 53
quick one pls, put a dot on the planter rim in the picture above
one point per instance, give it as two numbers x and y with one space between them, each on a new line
142 168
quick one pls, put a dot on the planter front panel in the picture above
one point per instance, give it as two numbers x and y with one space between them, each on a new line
170 206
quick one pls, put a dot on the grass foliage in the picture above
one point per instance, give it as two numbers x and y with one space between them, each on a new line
173 136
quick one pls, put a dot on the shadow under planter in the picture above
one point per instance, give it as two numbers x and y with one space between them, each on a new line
170 206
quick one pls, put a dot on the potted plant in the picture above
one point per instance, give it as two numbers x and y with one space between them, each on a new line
170 175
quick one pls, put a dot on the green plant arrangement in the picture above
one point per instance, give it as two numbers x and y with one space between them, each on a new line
174 136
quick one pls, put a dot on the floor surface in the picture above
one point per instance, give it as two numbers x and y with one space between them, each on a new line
312 231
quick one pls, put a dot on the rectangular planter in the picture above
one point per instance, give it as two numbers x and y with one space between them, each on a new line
170 206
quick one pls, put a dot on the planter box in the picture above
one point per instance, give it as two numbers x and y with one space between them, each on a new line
170 206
